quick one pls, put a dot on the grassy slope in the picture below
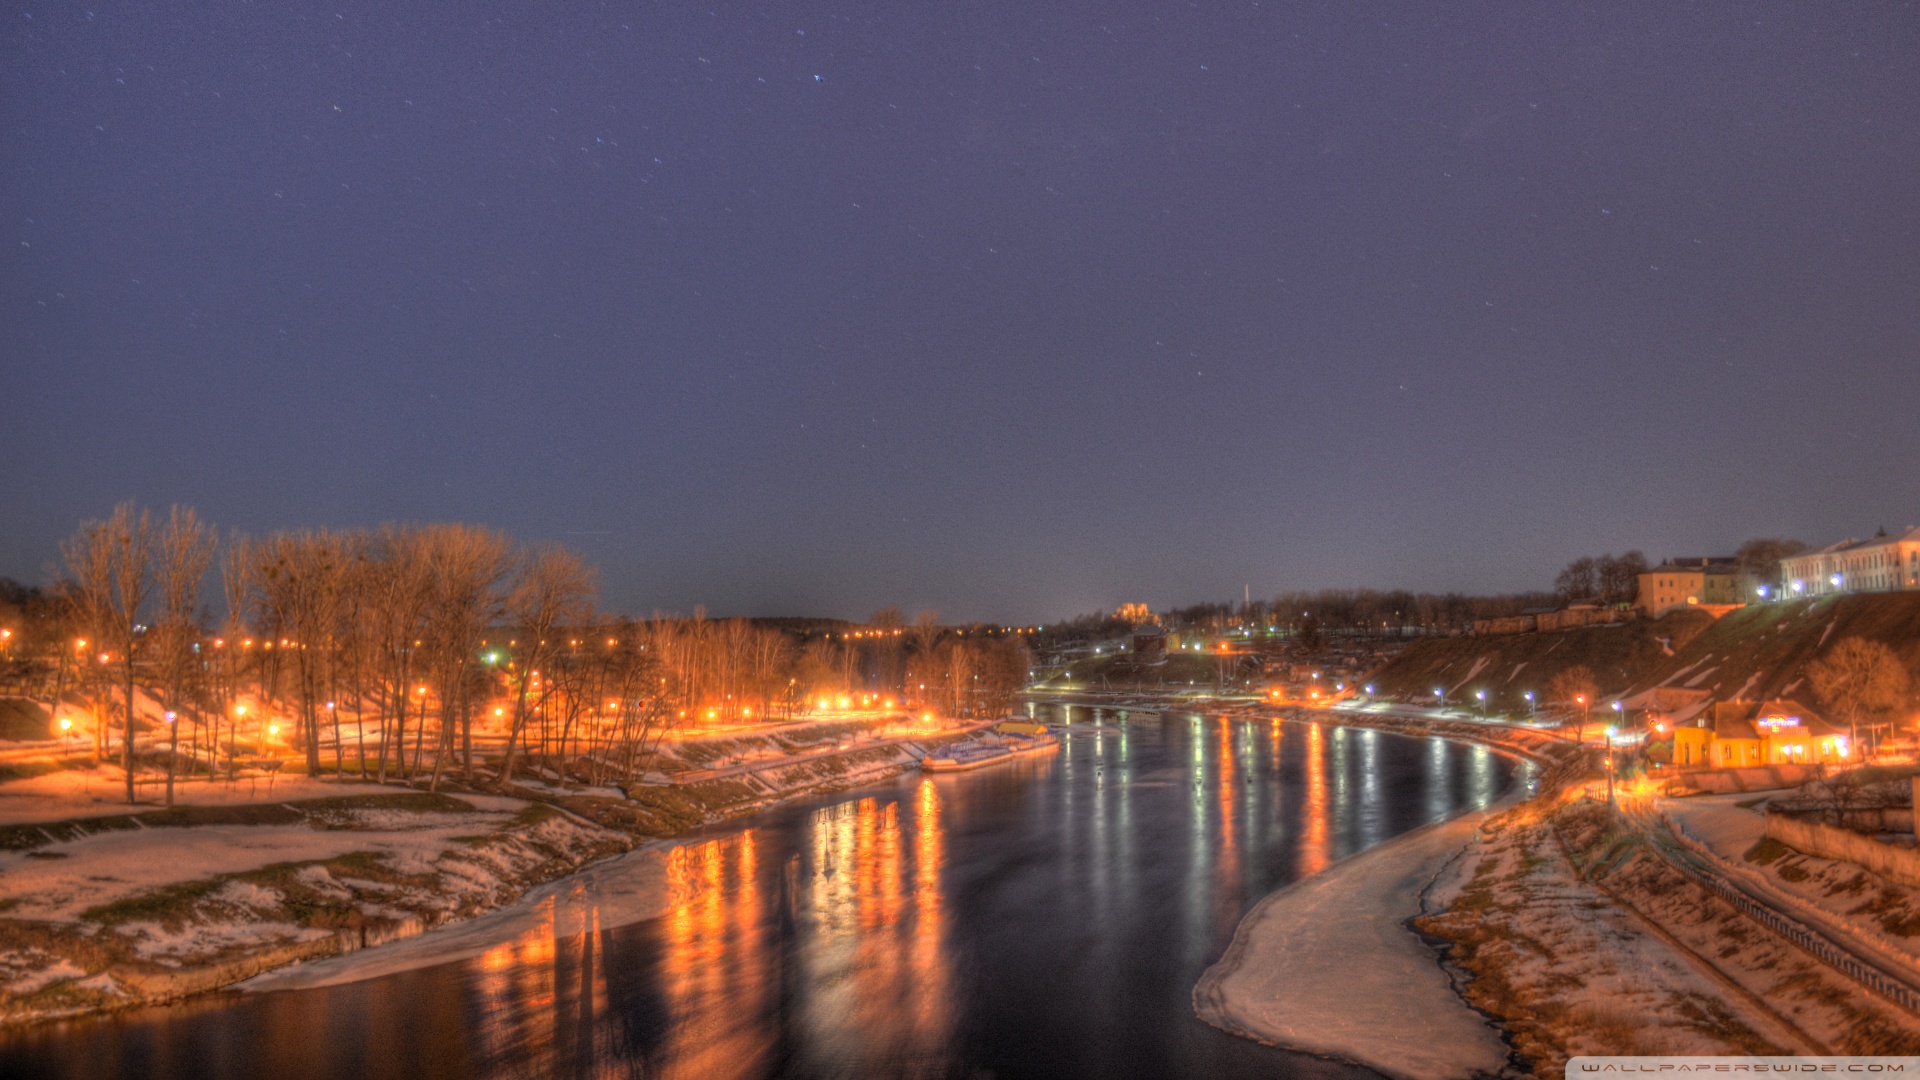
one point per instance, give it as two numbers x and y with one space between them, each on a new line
1754 653
1511 664
1764 650
23 720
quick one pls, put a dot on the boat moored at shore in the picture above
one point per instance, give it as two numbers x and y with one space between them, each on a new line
1005 742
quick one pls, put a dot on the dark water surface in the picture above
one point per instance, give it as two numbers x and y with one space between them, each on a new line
1046 918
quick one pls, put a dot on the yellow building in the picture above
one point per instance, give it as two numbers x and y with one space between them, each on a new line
1692 747
1743 734
1719 584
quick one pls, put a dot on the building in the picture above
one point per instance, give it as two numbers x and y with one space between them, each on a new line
1148 644
1743 734
1882 564
1133 613
1716 584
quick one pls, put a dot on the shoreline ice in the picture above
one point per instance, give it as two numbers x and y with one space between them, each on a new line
1330 966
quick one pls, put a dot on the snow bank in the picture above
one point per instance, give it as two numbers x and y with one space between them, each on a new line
1329 966
627 889
1716 821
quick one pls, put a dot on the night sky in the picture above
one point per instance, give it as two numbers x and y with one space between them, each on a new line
1012 310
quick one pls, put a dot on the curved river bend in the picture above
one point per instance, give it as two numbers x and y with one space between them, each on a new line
1046 918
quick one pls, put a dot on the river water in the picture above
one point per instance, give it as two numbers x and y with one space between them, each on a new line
1044 918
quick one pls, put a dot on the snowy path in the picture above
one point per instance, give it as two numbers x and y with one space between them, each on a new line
61 880
101 791
1729 830
1329 966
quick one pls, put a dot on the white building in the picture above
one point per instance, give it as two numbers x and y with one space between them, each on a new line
1882 564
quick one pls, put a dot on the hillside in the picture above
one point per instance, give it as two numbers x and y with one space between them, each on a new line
1754 653
1506 666
1762 652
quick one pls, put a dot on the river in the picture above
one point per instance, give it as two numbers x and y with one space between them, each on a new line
1044 918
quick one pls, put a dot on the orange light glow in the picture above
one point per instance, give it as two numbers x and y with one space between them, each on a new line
1314 855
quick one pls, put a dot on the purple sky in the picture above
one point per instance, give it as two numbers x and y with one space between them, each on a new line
1011 310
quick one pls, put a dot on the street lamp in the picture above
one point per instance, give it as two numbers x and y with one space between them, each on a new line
1482 695
1531 711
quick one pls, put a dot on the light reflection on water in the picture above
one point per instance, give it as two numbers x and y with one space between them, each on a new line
1043 918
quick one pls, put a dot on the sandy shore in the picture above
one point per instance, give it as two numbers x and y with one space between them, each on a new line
1329 966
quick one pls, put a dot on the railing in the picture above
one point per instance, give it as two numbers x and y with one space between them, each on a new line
1813 943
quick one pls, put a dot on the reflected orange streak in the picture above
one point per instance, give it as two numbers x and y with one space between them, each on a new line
927 966
706 1039
747 918
1314 851
1229 854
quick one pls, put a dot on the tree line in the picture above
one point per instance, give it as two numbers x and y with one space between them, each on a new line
408 652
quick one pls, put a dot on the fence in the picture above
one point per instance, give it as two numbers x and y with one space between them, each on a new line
1819 947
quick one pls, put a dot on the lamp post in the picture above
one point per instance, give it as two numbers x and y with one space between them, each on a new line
1482 695
1619 720
1531 711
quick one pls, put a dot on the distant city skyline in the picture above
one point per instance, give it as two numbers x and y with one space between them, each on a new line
1008 312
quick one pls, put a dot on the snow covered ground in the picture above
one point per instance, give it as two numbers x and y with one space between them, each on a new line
1875 915
1329 966
98 792
627 889
58 881
1570 969
138 904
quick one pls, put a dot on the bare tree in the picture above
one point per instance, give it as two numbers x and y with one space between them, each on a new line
466 564
89 558
185 551
1857 678
1620 577
301 578
230 657
110 560
1579 580
551 589
1761 557
1573 687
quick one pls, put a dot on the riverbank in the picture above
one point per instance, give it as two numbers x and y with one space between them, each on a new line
1333 965
106 907
1568 934
1330 966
